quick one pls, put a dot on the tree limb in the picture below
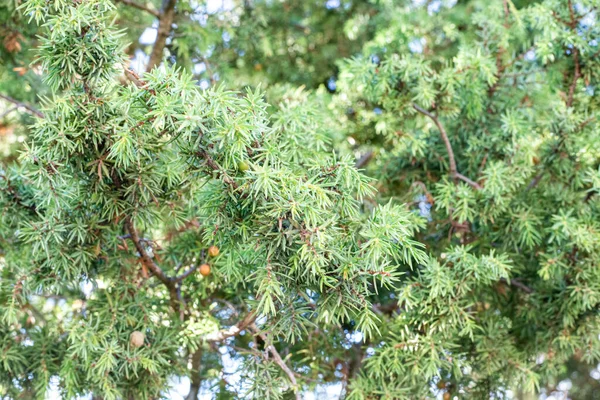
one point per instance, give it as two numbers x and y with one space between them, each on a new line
139 7
165 22
196 379
32 110
451 160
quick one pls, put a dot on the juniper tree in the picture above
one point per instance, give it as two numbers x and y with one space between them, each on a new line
153 230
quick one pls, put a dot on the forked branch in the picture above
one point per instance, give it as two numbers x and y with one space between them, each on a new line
454 174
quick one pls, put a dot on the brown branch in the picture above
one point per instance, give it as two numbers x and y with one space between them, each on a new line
196 379
468 181
187 273
518 284
535 181
506 13
149 263
233 330
278 360
451 161
165 23
32 110
364 159
215 167
430 198
139 7
576 77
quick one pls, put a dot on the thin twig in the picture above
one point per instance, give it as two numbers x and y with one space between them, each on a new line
211 163
30 109
518 284
278 360
467 180
451 160
187 273
4 114
149 263
233 330
139 7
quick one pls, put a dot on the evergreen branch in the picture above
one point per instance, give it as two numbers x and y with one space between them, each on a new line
140 83
139 7
32 110
451 160
165 22
17 198
278 360
233 330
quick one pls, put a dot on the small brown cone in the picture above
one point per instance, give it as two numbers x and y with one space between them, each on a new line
205 269
213 251
136 339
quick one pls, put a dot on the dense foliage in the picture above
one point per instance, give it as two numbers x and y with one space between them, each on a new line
208 220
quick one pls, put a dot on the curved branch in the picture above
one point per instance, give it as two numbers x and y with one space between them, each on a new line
278 360
149 263
451 160
187 273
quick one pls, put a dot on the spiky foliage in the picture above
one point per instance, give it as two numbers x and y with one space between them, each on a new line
470 272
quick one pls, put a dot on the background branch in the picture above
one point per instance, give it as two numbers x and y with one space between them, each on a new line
165 22
32 110
232 331
139 7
